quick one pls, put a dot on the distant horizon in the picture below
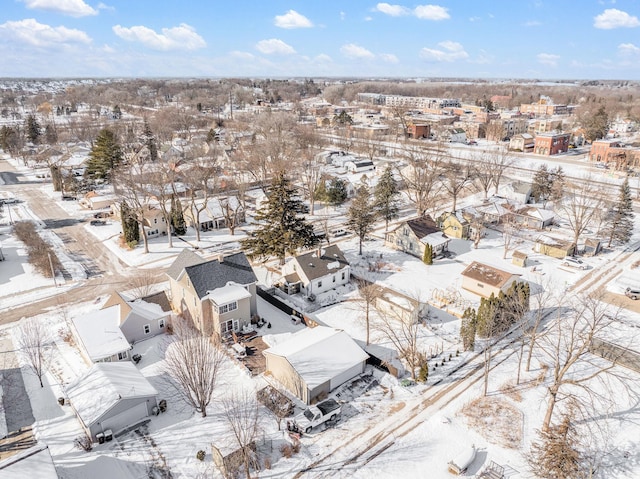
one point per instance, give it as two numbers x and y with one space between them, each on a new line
591 40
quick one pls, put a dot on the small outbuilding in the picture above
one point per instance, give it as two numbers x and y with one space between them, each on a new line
554 247
313 362
485 280
111 397
519 259
592 247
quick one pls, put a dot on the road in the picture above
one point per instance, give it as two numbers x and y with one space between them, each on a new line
105 272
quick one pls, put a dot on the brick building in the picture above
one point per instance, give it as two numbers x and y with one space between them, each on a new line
551 143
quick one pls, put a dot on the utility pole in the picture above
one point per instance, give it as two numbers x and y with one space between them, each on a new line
53 273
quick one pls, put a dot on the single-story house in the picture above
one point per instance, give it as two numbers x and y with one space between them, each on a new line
413 235
99 336
522 142
314 361
212 214
33 462
315 272
359 166
455 135
111 397
95 201
554 247
484 280
533 217
138 319
518 191
400 307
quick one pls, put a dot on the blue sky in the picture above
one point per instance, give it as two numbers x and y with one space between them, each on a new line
582 39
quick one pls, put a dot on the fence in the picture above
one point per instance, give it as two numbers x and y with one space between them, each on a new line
617 354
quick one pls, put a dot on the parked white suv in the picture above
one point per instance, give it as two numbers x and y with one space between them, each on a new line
574 263
633 293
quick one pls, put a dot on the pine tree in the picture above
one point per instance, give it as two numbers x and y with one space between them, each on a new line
541 187
556 455
282 227
337 192
361 216
33 129
556 178
150 141
105 155
130 228
427 257
620 218
385 194
177 217
468 329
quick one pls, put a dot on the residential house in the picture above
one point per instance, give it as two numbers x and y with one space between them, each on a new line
213 214
217 295
138 319
551 143
99 336
154 222
413 235
485 280
518 191
359 166
314 361
455 225
315 272
418 130
615 153
454 135
554 247
95 201
532 216
523 142
401 307
111 397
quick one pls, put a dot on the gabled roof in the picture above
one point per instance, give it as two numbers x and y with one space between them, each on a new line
214 274
319 354
104 385
313 267
423 226
100 333
184 259
226 294
487 274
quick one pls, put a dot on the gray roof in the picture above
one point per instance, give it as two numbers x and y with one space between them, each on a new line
214 274
184 259
314 267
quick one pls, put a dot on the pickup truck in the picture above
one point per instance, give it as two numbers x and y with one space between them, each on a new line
314 416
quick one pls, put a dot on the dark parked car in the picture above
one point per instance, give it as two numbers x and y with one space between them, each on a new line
68 198
98 222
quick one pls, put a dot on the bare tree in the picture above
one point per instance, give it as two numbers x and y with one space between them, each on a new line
455 177
545 302
498 162
199 177
232 211
482 172
369 293
566 348
420 177
130 182
509 229
193 361
242 414
309 144
34 343
581 205
142 284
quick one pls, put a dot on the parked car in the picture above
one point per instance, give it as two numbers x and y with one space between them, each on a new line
101 214
98 222
313 416
68 198
9 201
602 166
574 263
339 232
633 293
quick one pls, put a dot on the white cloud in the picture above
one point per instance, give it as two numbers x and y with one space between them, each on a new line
548 59
292 19
107 49
392 10
273 46
449 52
323 57
431 12
242 55
614 18
40 35
628 49
368 18
102 6
389 58
343 15
73 8
351 50
475 19
182 37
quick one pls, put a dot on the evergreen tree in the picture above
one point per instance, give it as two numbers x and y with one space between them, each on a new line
595 126
282 227
541 187
33 129
468 329
361 216
10 140
150 141
487 316
427 257
336 192
556 177
343 118
556 455
105 155
130 228
620 217
385 194
177 217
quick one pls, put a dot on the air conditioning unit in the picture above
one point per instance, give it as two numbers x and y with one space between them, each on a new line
108 435
100 438
155 411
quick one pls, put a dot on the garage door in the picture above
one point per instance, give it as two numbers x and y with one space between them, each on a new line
346 375
125 418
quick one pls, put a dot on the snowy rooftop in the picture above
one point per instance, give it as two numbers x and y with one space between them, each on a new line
319 353
100 388
228 293
100 333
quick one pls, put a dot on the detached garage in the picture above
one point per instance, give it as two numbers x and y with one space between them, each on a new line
313 362
111 397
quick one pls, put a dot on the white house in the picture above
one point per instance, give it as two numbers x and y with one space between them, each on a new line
111 397
316 272
314 361
359 166
100 337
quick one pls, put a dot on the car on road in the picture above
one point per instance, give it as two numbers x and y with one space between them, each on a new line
574 263
633 293
101 214
339 232
98 222
602 166
9 201
68 198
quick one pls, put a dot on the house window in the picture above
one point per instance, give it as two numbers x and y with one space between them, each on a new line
161 323
343 275
225 308
319 284
406 232
155 220
480 285
122 355
229 325
147 329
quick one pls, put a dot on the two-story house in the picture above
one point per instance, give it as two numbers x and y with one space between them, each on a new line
217 295
413 235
